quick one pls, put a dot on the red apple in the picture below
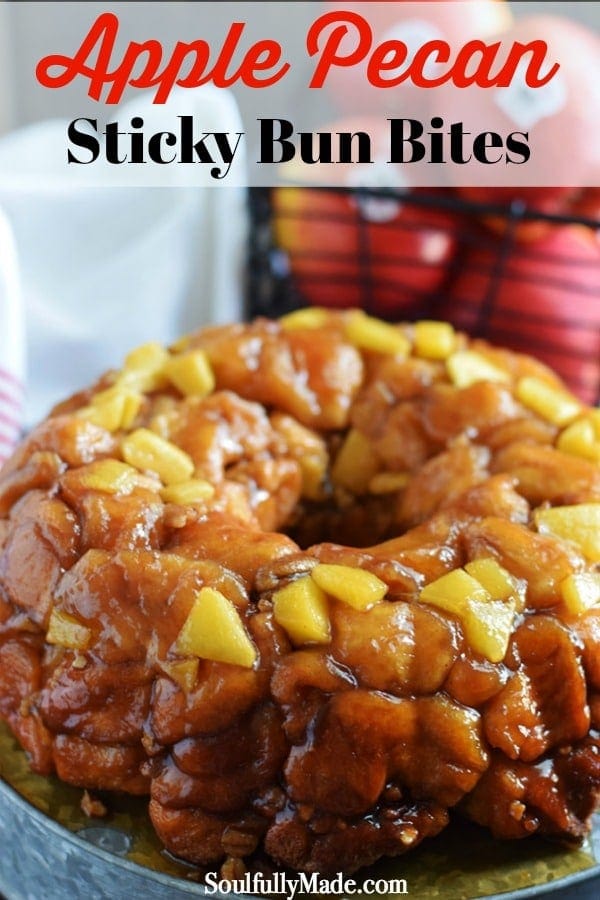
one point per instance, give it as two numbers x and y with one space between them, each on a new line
413 24
544 300
559 118
384 255
554 200
587 205
344 249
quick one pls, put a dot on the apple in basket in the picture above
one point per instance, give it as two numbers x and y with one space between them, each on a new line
413 24
568 104
587 206
544 299
345 248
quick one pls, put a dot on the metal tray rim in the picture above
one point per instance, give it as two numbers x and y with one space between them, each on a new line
112 859
195 889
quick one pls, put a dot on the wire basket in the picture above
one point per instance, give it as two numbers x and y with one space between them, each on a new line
522 278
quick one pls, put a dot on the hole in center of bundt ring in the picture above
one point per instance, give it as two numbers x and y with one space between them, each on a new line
361 523
347 508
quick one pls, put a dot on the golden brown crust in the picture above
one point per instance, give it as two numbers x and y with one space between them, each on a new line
337 435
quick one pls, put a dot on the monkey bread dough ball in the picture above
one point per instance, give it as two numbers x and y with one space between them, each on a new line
308 585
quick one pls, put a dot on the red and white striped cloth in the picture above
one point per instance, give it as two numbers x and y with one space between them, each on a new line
12 345
11 409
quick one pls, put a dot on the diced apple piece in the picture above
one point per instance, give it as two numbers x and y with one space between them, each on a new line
181 344
311 317
196 490
452 590
313 470
115 392
467 367
355 464
487 624
499 583
434 340
147 451
106 415
65 631
131 406
150 357
144 368
183 672
580 592
593 416
214 630
301 609
109 476
368 333
191 373
356 587
113 409
554 404
579 524
388 482
581 438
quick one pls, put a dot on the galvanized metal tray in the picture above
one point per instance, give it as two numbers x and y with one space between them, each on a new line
49 849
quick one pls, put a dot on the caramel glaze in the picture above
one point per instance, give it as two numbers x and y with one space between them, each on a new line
327 757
